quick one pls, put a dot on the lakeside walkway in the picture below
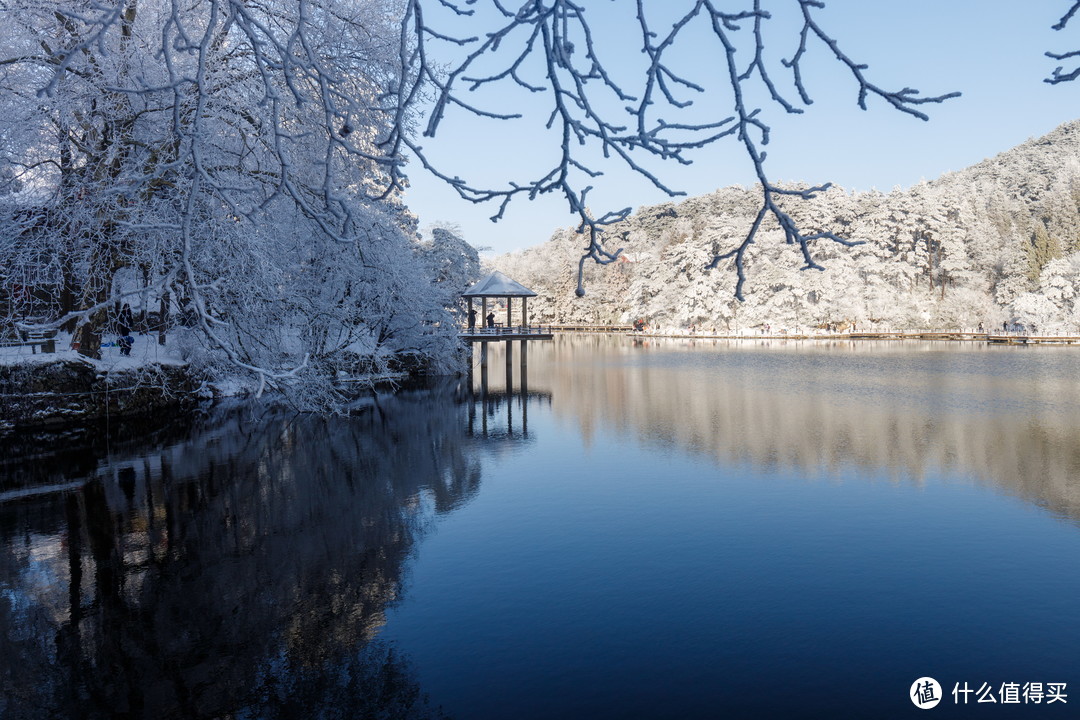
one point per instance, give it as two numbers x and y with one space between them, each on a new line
1013 338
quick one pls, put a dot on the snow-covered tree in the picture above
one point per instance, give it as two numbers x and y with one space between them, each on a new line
948 253
454 263
221 162
1052 307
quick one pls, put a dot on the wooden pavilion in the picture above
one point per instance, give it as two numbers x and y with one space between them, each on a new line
486 327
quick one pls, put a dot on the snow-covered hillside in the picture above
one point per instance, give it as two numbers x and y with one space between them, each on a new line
997 242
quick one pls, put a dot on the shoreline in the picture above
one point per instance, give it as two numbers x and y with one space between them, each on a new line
67 391
58 392
939 335
54 391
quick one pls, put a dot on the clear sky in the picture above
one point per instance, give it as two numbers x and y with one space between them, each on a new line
990 50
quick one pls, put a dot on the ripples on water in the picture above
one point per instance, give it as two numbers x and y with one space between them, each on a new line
634 529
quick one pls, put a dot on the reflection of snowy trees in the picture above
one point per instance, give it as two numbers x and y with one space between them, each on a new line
972 247
243 571
901 412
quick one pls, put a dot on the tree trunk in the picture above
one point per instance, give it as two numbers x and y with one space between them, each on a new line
96 292
163 318
68 294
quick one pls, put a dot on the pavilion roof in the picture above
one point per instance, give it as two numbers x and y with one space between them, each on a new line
498 285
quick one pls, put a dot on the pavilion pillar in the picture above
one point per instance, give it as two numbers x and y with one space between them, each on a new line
509 367
483 368
523 387
472 393
509 407
484 408
525 312
483 312
509 321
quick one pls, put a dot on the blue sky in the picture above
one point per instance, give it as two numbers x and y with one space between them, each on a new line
991 51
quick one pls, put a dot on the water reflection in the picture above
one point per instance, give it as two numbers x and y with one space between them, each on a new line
243 571
498 410
1009 417
244 566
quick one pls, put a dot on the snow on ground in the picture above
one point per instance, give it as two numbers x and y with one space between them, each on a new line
145 351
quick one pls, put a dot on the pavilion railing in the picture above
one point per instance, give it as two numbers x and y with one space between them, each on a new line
500 329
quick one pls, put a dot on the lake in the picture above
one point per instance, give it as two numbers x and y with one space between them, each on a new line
622 528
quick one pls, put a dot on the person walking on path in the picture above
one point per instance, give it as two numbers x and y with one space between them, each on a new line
124 321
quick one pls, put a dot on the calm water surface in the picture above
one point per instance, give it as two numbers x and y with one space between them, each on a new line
621 529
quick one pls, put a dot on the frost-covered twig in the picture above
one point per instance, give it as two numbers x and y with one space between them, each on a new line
1060 74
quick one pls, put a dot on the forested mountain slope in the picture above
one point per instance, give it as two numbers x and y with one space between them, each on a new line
997 242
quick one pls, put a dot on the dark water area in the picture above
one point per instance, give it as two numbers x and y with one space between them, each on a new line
613 529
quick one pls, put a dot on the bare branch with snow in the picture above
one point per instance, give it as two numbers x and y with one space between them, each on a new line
1060 74
598 111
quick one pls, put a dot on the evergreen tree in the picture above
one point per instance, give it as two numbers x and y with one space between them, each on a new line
1043 248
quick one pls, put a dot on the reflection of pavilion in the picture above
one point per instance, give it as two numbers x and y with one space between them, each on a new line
497 409
490 422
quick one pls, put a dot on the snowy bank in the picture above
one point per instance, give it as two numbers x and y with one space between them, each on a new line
60 388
